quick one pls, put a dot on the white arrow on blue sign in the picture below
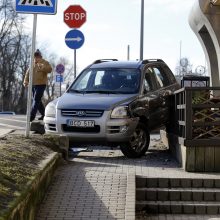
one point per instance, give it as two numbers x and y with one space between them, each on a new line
59 78
36 6
74 39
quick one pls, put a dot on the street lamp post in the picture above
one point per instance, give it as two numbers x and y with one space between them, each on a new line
142 30
128 52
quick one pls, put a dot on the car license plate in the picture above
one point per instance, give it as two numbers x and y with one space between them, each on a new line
81 123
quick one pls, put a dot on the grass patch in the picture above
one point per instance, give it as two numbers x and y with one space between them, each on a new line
19 162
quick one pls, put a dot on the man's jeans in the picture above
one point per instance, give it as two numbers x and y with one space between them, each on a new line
37 92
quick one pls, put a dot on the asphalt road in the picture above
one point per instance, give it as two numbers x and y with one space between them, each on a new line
13 122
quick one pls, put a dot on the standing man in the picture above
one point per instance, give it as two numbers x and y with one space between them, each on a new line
40 71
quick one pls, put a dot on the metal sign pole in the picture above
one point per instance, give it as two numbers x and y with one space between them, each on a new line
74 63
60 84
27 132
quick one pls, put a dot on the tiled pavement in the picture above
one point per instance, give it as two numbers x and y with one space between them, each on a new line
180 217
93 185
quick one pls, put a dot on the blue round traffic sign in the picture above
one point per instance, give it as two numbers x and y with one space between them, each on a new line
60 68
74 39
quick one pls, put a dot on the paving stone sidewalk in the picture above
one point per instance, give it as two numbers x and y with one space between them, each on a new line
93 185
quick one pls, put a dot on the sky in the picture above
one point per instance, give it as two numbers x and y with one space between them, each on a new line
112 25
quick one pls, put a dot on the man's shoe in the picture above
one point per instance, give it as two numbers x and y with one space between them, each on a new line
41 118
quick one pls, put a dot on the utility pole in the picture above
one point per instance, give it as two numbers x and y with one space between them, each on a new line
128 53
180 69
142 30
180 50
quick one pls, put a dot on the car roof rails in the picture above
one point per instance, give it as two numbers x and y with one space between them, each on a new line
103 60
152 60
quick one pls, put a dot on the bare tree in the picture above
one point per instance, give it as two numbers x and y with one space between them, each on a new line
11 44
23 62
51 92
184 67
15 59
69 68
50 86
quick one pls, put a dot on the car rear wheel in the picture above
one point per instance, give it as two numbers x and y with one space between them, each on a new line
138 144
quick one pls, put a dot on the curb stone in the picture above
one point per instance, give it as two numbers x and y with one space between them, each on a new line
24 207
4 132
62 141
130 196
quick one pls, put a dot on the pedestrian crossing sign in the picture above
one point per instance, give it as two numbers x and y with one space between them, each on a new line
36 6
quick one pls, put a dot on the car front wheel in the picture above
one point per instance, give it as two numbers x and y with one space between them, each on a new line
138 144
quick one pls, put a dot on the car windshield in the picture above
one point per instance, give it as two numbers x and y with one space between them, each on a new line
115 81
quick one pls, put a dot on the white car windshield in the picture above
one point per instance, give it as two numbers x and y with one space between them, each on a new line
122 81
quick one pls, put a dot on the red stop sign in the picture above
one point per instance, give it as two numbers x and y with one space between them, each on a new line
74 16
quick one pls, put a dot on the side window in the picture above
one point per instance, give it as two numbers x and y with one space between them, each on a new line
98 78
169 73
146 86
161 77
148 80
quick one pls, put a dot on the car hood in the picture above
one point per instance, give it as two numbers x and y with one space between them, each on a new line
93 101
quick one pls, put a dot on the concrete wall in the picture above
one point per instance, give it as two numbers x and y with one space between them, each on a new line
204 19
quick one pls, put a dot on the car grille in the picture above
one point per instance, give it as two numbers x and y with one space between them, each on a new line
82 113
67 128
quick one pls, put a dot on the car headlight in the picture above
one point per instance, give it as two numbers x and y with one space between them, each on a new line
120 112
50 110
